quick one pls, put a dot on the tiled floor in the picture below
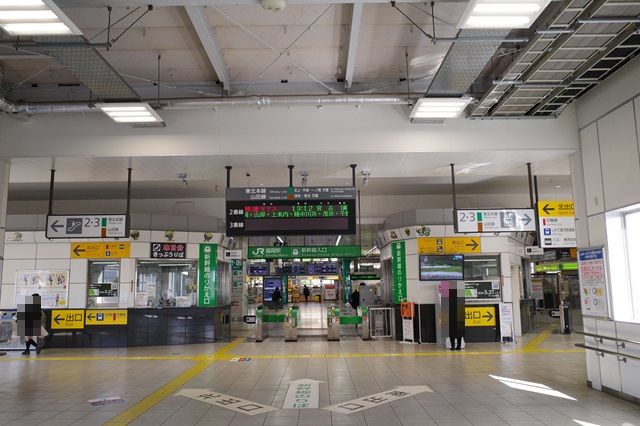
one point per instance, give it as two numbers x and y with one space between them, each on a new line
53 388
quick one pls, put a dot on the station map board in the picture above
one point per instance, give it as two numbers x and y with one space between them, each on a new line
291 211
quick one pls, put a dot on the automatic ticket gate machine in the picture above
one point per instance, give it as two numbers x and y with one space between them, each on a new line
289 319
333 323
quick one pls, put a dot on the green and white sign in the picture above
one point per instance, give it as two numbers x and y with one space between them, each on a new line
399 271
207 284
303 252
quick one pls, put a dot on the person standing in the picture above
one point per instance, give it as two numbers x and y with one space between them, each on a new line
306 293
30 324
354 300
276 297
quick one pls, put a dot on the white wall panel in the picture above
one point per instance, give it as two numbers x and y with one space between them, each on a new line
7 296
412 267
20 251
79 271
140 250
620 158
597 230
592 171
53 264
77 296
53 250
10 267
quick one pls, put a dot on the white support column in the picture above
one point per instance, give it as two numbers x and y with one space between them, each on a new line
4 192
353 42
208 40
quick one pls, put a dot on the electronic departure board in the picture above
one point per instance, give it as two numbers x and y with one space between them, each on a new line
291 211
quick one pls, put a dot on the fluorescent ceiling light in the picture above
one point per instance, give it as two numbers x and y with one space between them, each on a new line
35 17
338 240
130 112
502 13
437 108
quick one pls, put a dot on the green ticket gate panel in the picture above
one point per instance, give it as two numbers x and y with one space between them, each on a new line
291 320
261 332
366 332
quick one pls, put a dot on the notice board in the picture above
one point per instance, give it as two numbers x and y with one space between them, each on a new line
593 282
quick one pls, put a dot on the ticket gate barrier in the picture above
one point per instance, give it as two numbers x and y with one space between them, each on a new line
291 317
263 316
333 323
361 317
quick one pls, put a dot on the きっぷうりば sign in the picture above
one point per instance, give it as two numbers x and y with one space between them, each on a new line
168 250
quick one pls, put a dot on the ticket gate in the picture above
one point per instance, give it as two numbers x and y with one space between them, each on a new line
333 323
291 320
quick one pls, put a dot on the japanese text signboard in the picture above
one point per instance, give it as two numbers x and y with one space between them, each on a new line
87 226
557 224
399 271
207 281
593 282
67 319
480 316
449 245
495 220
303 252
168 250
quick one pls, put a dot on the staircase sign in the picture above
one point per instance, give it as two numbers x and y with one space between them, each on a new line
495 220
87 226
557 224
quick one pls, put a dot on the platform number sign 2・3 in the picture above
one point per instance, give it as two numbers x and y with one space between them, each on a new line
207 282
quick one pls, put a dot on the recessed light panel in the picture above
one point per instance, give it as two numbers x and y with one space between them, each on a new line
34 17
487 14
130 112
439 108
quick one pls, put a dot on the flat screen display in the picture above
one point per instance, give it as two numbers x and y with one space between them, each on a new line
269 285
441 267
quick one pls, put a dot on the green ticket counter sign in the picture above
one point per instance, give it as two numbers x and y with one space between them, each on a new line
207 277
399 271
303 252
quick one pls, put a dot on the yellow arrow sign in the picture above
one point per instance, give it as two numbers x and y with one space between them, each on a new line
555 208
106 317
449 245
480 316
113 250
62 319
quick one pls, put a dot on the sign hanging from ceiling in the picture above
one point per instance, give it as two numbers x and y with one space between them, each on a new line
87 226
495 220
303 252
557 224
291 211
114 250
449 245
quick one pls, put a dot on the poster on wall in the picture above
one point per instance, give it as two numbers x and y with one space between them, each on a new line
593 282
52 286
207 265
399 271
506 321
237 288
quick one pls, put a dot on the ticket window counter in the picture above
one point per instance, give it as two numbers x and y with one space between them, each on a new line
164 284
104 284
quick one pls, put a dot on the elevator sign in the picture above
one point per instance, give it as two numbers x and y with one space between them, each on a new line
87 226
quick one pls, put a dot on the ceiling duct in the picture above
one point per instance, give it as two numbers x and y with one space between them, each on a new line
465 61
88 66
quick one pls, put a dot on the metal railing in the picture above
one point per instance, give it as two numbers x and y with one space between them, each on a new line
620 343
381 323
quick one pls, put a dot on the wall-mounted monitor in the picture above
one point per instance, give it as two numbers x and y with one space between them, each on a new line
441 267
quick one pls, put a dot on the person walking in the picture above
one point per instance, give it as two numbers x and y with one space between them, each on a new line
306 293
354 300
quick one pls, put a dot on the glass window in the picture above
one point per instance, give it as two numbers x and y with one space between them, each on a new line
104 281
632 231
481 268
166 284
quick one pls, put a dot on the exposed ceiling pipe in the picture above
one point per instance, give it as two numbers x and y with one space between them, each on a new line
240 101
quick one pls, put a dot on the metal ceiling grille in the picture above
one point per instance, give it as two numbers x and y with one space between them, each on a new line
464 62
88 66
581 47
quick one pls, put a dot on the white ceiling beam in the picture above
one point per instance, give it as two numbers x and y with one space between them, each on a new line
160 3
208 40
356 17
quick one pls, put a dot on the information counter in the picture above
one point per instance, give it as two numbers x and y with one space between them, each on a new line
145 327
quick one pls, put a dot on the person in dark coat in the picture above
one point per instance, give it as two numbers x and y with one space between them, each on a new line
30 320
306 293
276 297
456 321
354 300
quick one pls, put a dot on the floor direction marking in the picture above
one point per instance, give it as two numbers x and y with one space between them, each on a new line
377 399
302 394
238 405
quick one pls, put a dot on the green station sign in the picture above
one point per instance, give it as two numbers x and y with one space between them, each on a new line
364 277
303 252
556 266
